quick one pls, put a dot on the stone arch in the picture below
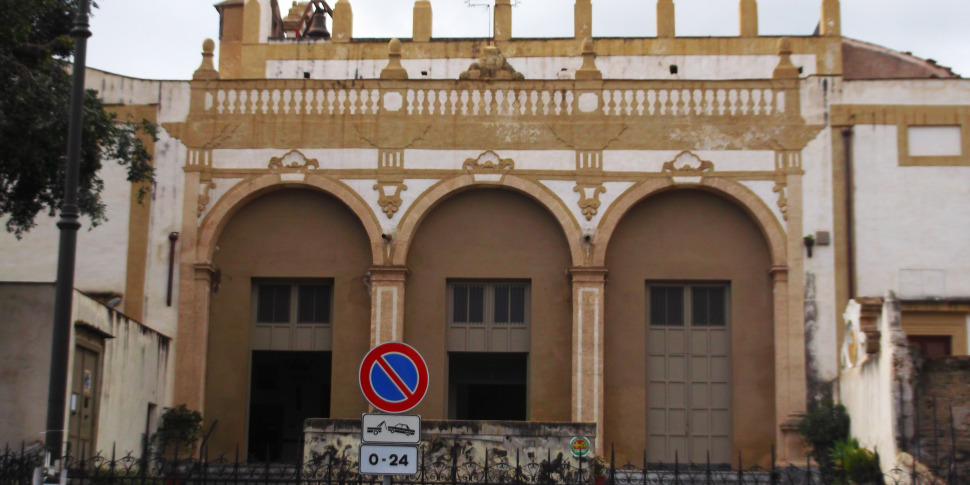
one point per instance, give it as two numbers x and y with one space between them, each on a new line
239 195
448 187
770 227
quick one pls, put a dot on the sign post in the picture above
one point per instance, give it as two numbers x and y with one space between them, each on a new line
394 379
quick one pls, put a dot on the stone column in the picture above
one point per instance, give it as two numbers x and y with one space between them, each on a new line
588 313
387 304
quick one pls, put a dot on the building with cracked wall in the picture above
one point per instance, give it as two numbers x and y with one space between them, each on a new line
654 235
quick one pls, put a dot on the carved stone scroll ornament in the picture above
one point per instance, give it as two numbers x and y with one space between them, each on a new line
589 198
204 197
781 188
390 203
488 167
687 164
293 161
492 65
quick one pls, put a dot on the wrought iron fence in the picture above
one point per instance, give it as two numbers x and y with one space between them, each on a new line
17 468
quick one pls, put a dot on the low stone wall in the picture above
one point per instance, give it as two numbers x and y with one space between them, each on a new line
502 442
944 384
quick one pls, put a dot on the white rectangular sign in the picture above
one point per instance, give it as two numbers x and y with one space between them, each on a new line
388 460
390 428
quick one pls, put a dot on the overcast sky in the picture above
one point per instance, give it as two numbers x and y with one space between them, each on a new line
162 39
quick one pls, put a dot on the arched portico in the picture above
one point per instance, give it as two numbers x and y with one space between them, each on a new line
238 196
449 187
741 195
787 340
197 272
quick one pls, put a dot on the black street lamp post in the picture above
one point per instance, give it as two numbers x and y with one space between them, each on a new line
68 225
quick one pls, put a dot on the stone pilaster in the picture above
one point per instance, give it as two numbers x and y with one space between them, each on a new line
191 335
789 282
387 304
588 314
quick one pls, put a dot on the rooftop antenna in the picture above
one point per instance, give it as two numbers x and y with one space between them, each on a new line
487 5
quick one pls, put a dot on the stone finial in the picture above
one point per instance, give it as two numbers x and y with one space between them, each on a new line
343 22
292 20
785 68
583 19
492 65
831 24
207 69
503 19
665 18
394 70
588 71
749 18
421 31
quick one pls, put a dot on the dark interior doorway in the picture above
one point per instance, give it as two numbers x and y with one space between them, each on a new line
286 388
932 346
487 385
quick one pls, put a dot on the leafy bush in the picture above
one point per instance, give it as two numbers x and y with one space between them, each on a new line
857 464
181 427
822 428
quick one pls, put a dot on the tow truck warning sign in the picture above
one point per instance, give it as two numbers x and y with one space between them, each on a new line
390 428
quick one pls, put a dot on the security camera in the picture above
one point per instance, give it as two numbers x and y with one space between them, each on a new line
587 238
386 237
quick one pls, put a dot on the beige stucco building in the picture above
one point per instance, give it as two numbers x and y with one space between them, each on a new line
613 231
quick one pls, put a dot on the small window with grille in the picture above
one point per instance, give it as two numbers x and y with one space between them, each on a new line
486 316
292 315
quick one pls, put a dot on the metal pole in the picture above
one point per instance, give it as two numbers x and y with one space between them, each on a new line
68 225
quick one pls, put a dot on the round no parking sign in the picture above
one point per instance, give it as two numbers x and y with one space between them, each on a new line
393 377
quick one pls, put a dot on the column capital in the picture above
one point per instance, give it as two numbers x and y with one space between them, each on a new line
205 270
778 272
388 273
588 274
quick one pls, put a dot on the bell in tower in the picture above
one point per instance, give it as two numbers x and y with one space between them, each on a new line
318 26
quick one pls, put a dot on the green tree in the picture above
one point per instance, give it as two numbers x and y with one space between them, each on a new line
35 85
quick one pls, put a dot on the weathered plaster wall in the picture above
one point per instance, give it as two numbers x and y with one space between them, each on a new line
25 349
101 250
134 367
705 67
166 215
874 386
135 374
896 208
475 441
907 92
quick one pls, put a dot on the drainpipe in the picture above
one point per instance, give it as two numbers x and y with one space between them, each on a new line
849 209
172 239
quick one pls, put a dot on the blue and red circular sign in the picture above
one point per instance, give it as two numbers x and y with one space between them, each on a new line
393 377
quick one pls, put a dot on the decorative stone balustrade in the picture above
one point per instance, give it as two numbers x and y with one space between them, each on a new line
750 100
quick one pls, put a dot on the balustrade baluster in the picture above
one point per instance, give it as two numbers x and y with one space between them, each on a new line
748 106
